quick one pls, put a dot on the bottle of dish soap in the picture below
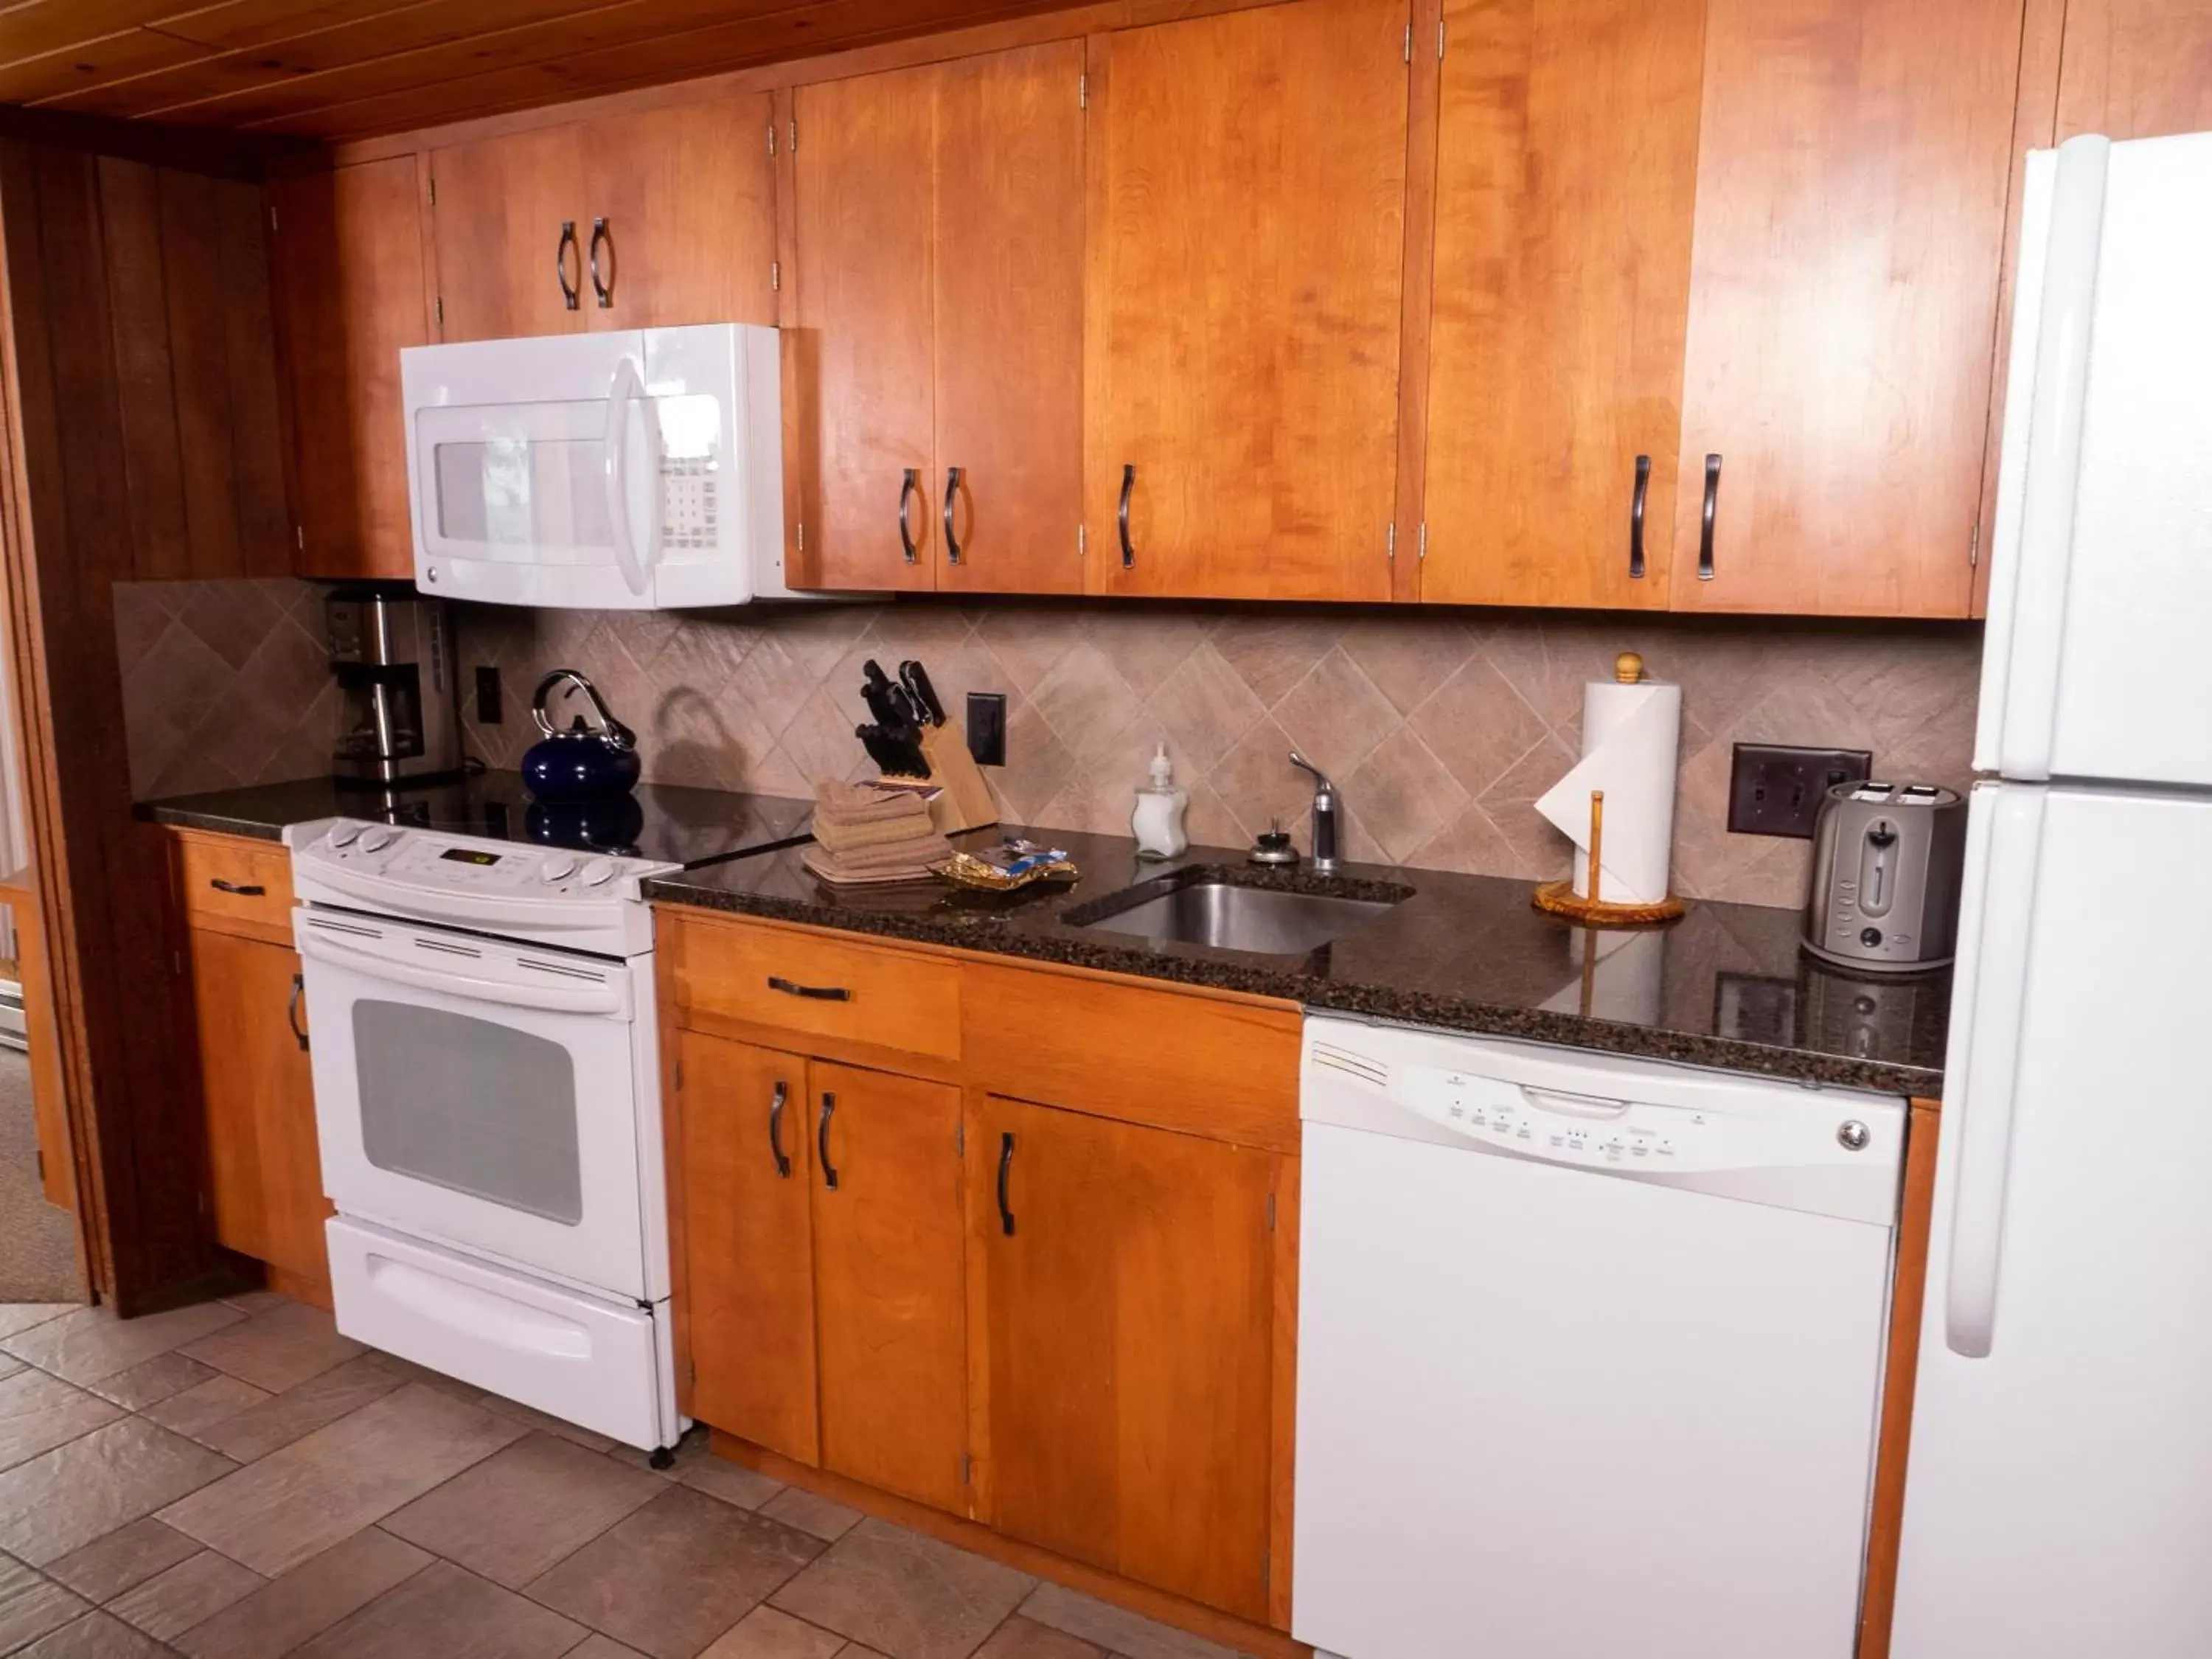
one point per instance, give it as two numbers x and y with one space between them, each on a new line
1157 822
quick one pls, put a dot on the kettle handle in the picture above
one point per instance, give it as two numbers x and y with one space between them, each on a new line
611 731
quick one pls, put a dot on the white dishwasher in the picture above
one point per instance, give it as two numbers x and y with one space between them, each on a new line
1590 1352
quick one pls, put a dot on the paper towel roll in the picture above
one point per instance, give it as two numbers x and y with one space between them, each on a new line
1631 737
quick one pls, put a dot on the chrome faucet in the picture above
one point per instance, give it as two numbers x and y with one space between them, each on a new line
1326 801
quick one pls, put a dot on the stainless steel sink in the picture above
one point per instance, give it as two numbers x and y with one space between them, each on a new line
1267 920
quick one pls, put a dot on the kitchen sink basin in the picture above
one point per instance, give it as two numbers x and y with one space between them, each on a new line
1229 916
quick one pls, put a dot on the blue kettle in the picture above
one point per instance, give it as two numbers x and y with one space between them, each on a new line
580 763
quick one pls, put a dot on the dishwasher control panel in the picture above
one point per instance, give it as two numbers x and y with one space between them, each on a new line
1576 1127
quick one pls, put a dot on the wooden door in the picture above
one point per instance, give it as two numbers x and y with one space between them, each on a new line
2135 68
743 1169
1125 1345
687 195
888 1281
1852 165
1246 239
265 1170
501 207
858 419
1008 340
349 260
1566 176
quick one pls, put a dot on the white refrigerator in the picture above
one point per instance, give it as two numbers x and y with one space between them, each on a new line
2058 1498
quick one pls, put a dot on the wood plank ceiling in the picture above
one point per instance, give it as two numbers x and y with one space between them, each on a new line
345 68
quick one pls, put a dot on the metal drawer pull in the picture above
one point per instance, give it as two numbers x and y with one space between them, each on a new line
603 286
292 1012
951 492
906 510
1712 504
1005 1169
561 250
819 993
1122 518
822 1141
1636 519
775 1131
243 889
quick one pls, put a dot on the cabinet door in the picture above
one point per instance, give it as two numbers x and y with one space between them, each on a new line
1851 174
860 417
1566 172
2135 68
1009 319
1246 244
265 1170
890 1306
1126 1294
348 258
743 1169
688 197
500 206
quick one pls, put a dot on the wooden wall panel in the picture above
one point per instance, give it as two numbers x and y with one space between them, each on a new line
153 468
193 286
2136 69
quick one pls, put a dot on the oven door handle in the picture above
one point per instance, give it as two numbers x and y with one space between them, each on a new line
549 998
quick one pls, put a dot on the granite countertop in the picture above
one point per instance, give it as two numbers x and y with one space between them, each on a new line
1726 986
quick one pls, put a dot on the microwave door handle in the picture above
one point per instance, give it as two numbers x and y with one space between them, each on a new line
656 506
548 999
622 392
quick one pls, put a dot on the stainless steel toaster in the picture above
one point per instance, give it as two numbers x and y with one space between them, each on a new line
1887 859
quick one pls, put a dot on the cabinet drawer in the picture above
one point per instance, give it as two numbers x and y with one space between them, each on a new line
816 984
229 879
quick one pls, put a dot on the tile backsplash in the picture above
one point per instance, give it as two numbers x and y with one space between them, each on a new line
224 683
1442 728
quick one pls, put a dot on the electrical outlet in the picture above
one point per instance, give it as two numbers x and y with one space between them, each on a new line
489 712
986 727
1775 790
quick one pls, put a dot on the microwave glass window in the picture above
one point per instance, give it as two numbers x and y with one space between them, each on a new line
469 1105
524 494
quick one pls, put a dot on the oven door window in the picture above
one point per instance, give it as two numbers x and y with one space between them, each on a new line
469 1105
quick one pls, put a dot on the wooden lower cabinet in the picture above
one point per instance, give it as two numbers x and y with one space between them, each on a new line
1125 1276
265 1169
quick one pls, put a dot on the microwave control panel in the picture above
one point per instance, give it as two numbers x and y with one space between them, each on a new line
690 519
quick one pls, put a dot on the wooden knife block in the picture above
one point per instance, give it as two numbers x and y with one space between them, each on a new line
964 800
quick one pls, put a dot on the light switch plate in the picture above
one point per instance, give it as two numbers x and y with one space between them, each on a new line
986 727
1776 790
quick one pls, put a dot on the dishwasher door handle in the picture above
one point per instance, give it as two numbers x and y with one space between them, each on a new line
1567 1105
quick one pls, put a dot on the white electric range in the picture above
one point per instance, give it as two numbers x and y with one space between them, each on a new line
488 1098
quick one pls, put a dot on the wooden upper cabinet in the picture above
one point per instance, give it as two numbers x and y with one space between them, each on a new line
1853 157
350 292
859 422
2135 68
501 207
687 195
1567 179
1008 214
1127 1340
890 1296
743 1169
1246 241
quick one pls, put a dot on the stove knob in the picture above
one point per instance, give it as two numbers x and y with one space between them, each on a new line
342 834
559 867
598 873
375 840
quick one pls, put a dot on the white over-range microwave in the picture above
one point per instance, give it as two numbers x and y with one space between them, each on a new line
632 469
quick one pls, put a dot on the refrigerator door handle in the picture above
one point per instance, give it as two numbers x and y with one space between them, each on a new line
2005 844
2034 627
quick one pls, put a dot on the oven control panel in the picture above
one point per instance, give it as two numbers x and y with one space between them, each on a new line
463 864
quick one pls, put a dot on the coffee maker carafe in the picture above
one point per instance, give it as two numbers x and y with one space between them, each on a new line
391 654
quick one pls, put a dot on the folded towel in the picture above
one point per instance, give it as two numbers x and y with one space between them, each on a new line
851 837
854 803
915 849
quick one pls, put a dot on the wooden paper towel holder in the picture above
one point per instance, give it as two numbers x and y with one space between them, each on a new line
1559 898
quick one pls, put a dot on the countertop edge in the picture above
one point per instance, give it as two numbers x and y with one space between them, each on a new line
214 824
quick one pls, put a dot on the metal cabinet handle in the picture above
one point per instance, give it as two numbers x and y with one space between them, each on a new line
1712 505
776 1130
819 993
951 492
603 286
822 1141
243 889
1006 1170
292 1010
1636 519
561 250
1122 518
906 509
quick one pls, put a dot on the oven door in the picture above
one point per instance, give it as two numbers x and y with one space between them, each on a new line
489 1095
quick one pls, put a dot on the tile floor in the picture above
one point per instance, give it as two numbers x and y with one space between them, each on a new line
236 1481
